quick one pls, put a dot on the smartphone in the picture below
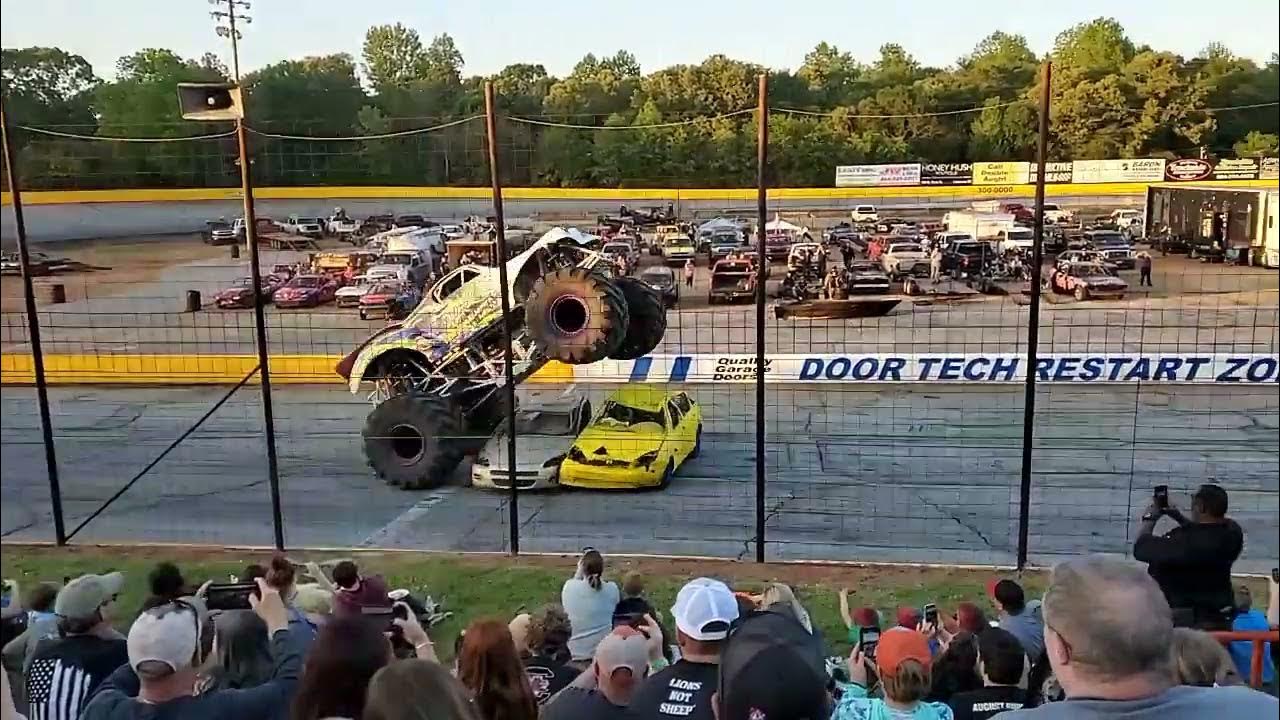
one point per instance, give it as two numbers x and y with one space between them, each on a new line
931 614
1161 496
230 596
868 642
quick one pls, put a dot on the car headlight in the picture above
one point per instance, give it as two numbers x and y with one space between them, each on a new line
553 462
646 459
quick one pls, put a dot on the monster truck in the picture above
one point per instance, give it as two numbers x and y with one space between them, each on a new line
437 376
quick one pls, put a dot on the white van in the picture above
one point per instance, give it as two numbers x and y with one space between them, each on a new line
864 214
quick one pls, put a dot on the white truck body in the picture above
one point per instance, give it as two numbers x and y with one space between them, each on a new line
1018 238
981 225
1270 230
426 240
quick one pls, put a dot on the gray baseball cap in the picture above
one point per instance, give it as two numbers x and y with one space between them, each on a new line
82 597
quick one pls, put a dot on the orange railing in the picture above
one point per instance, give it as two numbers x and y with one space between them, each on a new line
1259 638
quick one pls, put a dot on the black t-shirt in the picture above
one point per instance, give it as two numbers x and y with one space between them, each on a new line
682 690
64 671
1192 564
547 677
987 702
575 703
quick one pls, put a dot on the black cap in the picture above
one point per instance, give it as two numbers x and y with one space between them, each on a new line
771 668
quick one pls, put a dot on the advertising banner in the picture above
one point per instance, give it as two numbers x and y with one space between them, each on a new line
1056 172
1270 169
1236 169
878 175
1116 171
1188 169
939 368
1001 173
946 174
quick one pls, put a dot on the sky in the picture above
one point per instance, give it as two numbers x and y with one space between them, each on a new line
557 33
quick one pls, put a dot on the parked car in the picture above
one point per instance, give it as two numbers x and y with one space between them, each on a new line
342 227
219 232
546 429
349 295
662 280
677 248
412 220
866 277
967 257
414 263
1018 239
905 258
1057 215
1119 257
305 226
1083 256
389 299
305 291
1099 239
1087 280
240 295
640 438
864 214
40 263
731 280
623 253
724 240
1022 214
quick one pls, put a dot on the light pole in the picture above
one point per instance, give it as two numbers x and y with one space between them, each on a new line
232 15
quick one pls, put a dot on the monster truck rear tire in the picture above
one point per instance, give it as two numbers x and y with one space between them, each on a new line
411 442
578 315
646 322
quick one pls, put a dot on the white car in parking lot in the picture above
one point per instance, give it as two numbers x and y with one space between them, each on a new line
546 428
864 214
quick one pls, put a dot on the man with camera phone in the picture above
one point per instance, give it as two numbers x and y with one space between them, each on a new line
1192 562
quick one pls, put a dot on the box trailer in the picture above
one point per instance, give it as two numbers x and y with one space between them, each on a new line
1214 222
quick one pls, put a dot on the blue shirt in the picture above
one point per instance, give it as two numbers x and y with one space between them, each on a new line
1242 650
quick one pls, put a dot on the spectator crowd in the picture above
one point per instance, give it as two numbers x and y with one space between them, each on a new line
1108 639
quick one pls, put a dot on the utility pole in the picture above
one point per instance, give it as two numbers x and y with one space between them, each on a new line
232 15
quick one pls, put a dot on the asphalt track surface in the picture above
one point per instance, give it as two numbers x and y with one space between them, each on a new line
868 473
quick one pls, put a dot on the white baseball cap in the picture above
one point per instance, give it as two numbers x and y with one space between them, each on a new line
167 634
704 609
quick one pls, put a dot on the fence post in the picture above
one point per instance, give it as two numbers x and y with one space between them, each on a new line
33 334
260 333
500 240
1033 328
762 212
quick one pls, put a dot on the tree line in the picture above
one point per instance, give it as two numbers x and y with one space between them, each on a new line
1109 98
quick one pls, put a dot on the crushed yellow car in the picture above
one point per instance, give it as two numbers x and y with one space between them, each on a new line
639 438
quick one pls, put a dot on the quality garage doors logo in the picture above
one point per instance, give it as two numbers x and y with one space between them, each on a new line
1188 169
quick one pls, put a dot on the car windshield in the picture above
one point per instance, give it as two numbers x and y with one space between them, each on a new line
656 275
1050 206
863 266
674 241
725 238
410 219
308 221
539 422
865 208
1019 234
1109 239
617 248
971 248
732 267
396 259
384 289
905 247
309 281
615 413
1083 269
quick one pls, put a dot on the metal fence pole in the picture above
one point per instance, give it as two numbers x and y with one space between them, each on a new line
260 333
762 211
33 333
1033 328
500 240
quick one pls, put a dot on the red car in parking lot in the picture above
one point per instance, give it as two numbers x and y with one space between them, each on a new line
240 295
305 291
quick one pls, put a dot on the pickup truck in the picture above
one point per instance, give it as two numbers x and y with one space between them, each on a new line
905 258
305 226
623 255
1128 222
220 232
732 280
1055 214
863 214
1020 239
342 227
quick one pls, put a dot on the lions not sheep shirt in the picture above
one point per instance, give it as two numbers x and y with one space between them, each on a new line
682 690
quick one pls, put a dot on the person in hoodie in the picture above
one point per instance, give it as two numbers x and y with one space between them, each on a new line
902 661
166 648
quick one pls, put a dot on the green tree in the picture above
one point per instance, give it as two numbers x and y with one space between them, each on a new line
443 61
830 75
47 86
393 56
1258 144
1092 50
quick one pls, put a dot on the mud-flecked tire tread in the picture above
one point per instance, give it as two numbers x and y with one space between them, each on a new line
606 327
647 320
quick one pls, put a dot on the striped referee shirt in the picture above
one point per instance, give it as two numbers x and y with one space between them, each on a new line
65 670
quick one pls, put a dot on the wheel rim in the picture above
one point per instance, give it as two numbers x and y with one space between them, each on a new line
407 443
569 315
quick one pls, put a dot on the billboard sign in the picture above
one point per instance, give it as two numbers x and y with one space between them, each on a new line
878 175
1055 172
1001 173
1270 169
1236 169
1188 169
1117 171
946 174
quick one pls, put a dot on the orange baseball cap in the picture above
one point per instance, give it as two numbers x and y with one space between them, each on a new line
898 644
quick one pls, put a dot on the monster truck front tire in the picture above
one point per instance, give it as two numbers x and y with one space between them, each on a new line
579 316
411 441
646 323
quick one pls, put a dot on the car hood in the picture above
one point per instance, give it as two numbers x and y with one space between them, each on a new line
619 442
531 450
298 291
377 298
350 290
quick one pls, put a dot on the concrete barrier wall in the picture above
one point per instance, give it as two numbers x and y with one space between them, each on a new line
70 215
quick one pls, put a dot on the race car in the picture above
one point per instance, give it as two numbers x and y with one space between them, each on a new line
545 429
640 438
305 291
437 377
1087 280
240 295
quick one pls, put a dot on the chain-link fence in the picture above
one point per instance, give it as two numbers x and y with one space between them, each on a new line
894 379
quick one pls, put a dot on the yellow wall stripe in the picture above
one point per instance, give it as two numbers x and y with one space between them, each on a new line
63 197
18 369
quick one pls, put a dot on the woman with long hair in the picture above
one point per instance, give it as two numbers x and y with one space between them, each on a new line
778 597
346 654
589 600
955 669
417 690
1199 659
489 666
241 651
